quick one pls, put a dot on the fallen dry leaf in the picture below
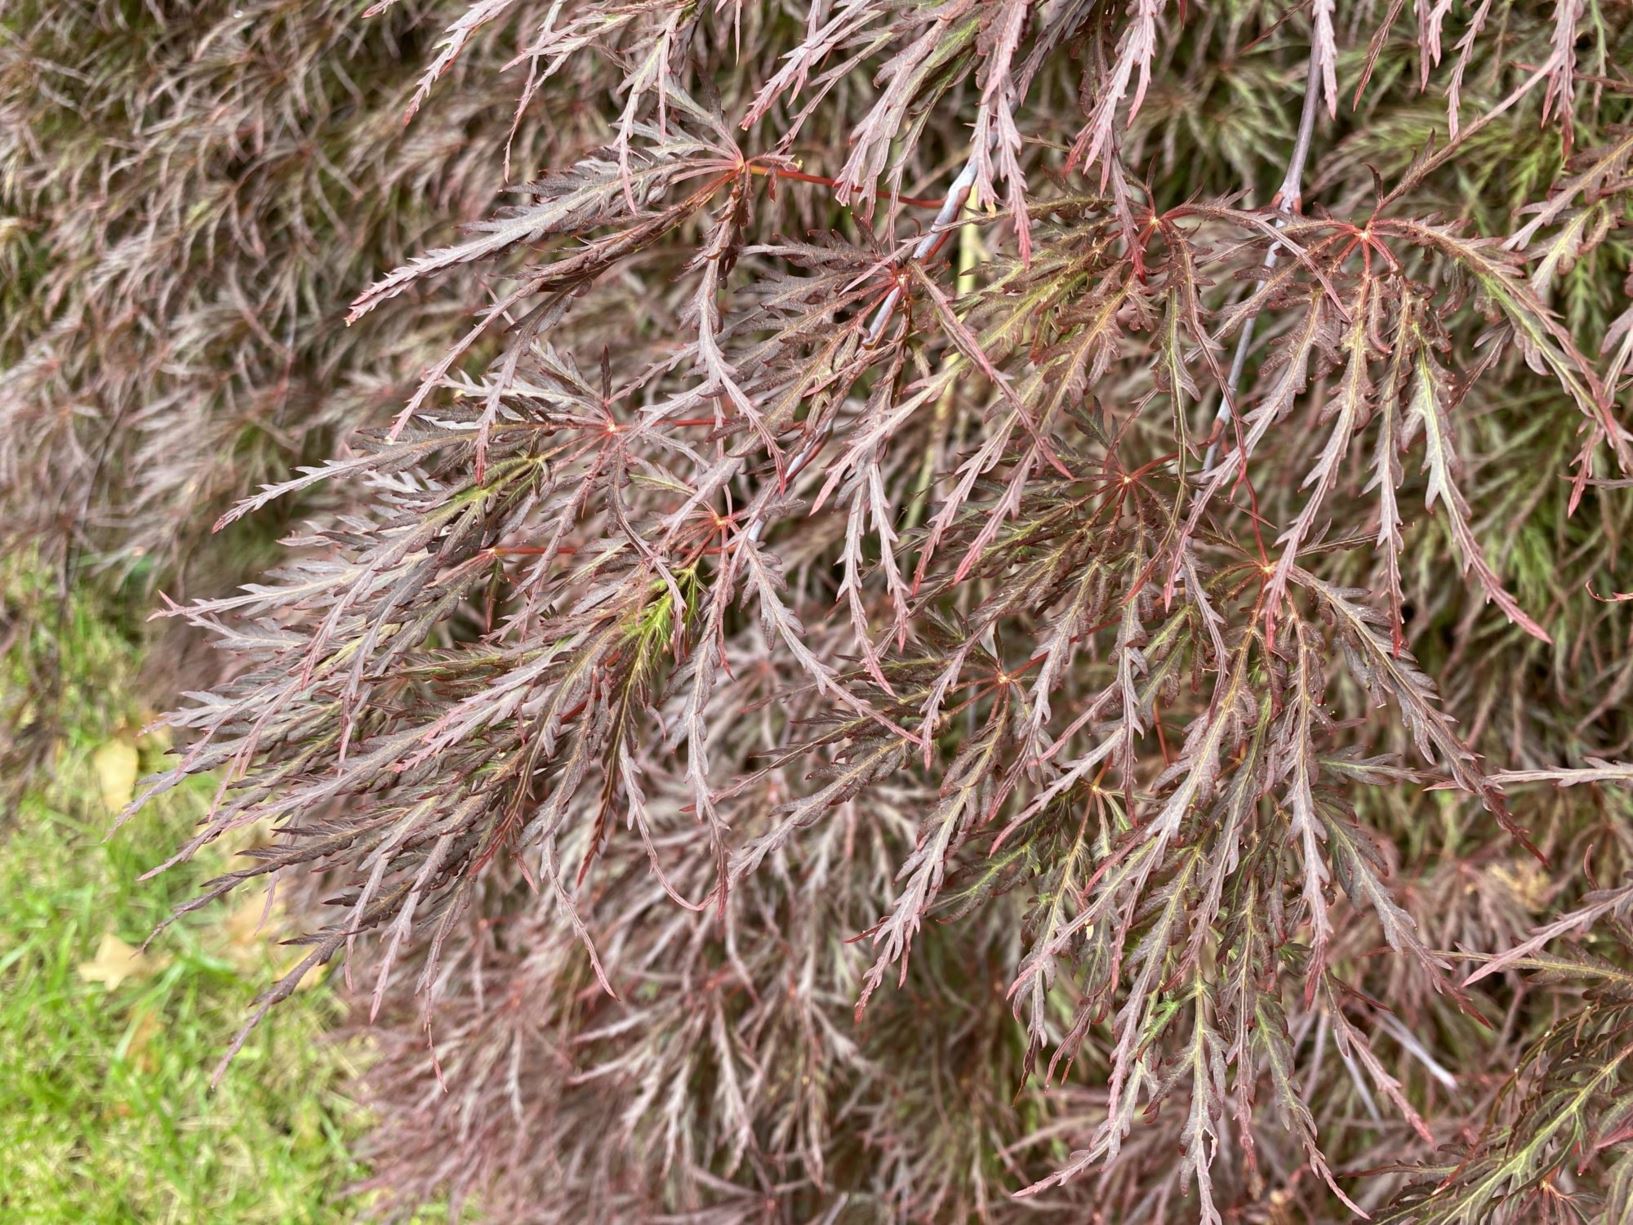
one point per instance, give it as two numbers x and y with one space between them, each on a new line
115 961
247 935
252 943
116 764
137 1046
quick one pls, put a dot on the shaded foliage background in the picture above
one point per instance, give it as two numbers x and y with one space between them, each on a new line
947 604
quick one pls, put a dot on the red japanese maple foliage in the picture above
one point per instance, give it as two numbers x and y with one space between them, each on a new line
988 613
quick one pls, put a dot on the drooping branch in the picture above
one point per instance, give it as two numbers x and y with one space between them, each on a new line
1287 201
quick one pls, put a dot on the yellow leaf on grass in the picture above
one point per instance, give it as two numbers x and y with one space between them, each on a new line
252 942
115 961
247 934
138 1044
116 764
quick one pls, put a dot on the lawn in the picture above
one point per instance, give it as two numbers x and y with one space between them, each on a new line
106 1052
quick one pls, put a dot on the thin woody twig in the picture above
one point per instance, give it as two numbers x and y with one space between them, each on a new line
946 220
1287 201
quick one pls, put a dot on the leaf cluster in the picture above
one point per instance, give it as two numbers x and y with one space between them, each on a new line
981 596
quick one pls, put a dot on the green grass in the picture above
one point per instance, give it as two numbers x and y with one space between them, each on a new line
104 1091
